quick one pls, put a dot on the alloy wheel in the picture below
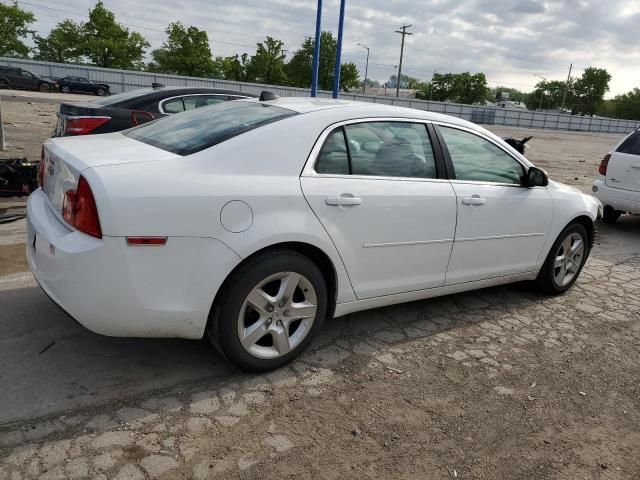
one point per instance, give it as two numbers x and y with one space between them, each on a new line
277 315
568 259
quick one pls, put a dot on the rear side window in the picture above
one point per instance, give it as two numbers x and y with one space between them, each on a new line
631 145
383 149
195 130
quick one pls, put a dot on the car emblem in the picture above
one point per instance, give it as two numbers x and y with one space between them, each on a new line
52 167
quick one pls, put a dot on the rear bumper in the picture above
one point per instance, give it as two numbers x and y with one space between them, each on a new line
619 199
116 290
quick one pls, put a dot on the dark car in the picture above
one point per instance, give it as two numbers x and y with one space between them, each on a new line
17 177
126 110
12 77
81 84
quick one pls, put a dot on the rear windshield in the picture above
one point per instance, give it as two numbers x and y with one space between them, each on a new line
631 145
122 97
189 132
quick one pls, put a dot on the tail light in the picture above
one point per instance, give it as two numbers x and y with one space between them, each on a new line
83 125
79 209
41 169
604 164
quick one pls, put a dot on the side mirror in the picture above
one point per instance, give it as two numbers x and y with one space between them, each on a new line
536 177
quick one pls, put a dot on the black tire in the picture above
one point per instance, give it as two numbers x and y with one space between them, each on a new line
44 87
5 85
546 281
101 92
222 328
65 89
610 214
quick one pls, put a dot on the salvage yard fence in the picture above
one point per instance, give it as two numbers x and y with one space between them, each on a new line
126 80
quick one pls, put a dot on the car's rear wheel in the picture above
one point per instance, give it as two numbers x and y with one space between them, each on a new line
101 92
610 214
65 89
269 310
4 84
565 260
44 87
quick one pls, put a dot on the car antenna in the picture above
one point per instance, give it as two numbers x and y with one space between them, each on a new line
266 95
156 85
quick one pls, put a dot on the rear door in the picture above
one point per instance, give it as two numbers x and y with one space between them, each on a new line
623 170
377 189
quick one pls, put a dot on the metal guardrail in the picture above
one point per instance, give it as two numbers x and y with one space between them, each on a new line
125 80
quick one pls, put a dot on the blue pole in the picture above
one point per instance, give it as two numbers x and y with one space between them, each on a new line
316 53
336 72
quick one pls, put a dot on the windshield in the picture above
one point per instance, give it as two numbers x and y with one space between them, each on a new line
189 132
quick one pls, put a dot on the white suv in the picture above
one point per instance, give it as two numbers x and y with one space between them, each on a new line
618 187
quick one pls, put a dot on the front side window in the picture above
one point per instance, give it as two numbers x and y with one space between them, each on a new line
477 159
631 145
202 128
383 149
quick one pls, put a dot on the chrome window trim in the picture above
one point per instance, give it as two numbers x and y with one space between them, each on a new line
164 100
309 167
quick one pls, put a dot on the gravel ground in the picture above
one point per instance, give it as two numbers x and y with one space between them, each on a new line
499 383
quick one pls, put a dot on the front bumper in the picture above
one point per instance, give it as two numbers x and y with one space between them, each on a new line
617 198
116 290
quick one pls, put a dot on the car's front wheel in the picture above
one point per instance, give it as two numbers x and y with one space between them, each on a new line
565 260
44 87
65 89
269 310
101 92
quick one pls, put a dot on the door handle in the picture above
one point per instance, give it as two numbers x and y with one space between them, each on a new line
473 200
635 165
343 200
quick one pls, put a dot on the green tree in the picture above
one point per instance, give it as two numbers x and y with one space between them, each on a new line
267 65
590 89
185 52
63 44
626 106
550 94
457 87
108 44
349 77
405 82
231 68
299 68
14 26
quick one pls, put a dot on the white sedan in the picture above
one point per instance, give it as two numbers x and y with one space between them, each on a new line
252 221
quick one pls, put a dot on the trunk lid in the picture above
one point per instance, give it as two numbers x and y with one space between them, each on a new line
66 158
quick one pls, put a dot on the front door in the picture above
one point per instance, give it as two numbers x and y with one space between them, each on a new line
375 188
502 225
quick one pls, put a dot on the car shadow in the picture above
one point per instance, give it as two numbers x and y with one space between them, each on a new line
51 364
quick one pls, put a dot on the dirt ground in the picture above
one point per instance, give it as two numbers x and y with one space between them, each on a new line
502 383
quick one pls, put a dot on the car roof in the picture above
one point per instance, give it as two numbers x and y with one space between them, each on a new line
354 109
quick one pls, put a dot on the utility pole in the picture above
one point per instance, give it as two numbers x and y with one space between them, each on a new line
316 52
366 70
543 90
403 32
566 87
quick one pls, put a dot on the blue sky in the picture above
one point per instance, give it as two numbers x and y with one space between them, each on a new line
509 40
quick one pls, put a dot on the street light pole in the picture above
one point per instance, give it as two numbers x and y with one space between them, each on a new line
366 70
403 32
